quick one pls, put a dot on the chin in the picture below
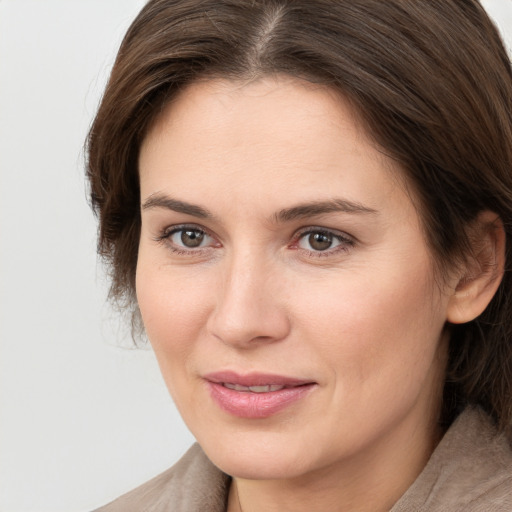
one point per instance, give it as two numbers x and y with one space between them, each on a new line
264 457
250 467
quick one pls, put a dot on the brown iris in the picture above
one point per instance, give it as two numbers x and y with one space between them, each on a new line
320 241
192 237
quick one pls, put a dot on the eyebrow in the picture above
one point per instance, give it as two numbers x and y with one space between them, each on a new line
313 208
300 211
161 201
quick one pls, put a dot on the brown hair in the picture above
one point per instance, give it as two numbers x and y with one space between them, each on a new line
431 81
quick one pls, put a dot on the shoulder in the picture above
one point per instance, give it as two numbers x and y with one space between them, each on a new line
470 471
193 484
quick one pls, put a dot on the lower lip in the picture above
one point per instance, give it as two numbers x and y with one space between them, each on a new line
246 404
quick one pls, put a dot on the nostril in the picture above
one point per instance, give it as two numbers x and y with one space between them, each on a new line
249 329
248 309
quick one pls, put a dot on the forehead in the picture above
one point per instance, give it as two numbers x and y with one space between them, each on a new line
268 137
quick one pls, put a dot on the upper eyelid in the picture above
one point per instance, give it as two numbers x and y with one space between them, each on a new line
298 233
314 229
181 227
164 234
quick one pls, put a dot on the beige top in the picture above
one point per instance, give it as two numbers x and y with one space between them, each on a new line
470 471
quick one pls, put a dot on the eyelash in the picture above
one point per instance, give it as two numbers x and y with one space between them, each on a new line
167 233
345 242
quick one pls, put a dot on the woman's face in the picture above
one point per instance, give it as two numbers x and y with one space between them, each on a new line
285 283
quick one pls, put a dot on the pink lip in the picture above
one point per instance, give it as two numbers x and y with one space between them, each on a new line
247 404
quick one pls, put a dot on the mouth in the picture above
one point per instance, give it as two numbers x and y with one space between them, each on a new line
256 395
253 389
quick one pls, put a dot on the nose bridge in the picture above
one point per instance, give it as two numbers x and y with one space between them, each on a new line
248 307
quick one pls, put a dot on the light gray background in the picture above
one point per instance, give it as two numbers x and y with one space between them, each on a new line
82 419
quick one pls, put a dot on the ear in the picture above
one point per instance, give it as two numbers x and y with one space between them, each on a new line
482 272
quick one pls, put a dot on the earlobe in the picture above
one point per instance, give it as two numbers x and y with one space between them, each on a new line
482 272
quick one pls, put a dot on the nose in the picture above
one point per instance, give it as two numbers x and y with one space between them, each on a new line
248 309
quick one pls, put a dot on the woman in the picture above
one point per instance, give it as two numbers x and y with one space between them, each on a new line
309 205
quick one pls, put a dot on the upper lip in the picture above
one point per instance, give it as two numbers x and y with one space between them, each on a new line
254 379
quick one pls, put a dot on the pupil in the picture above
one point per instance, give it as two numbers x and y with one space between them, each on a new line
191 238
320 241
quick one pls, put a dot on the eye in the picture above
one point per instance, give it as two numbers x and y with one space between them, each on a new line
187 238
316 240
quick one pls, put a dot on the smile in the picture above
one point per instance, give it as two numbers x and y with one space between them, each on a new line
255 396
253 389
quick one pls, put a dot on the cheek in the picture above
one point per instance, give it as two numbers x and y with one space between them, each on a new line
376 333
173 308
173 311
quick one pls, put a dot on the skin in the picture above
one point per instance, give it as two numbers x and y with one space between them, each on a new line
363 319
